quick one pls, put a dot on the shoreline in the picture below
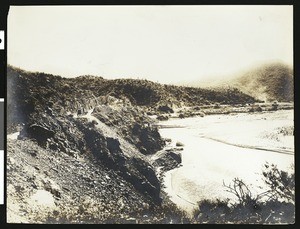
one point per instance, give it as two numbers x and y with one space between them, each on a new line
227 109
187 204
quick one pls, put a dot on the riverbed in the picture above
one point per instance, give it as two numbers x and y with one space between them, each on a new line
219 148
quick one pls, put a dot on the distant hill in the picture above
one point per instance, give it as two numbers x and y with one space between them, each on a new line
268 82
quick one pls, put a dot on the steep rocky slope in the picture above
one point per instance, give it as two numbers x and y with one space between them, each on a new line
46 186
84 148
86 141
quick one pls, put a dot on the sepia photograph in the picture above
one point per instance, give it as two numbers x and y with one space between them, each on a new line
157 114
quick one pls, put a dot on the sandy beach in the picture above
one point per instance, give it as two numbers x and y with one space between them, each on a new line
219 148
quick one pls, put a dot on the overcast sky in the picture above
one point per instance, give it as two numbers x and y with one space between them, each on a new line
167 44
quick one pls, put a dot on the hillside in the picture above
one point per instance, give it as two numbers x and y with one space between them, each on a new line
29 92
84 160
269 82
85 145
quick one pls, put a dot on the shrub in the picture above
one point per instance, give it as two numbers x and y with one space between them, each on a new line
281 183
275 205
179 144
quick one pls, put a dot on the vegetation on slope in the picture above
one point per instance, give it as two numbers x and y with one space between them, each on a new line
29 92
268 83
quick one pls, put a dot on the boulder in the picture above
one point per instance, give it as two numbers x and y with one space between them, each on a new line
176 157
165 109
181 115
149 140
38 132
52 187
179 144
255 108
169 160
162 117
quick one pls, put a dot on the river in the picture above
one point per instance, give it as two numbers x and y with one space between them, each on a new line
219 148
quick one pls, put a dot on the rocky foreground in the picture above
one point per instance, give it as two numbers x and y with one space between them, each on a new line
45 186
